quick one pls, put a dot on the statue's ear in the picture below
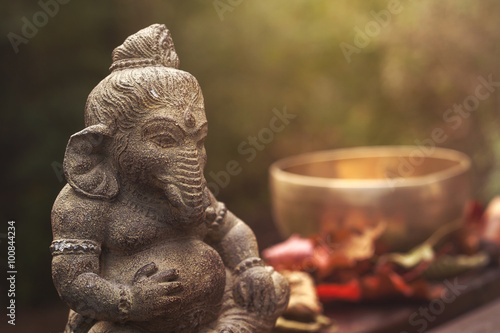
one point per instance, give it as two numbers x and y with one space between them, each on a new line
87 166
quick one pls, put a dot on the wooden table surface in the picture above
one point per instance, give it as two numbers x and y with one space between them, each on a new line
485 319
471 291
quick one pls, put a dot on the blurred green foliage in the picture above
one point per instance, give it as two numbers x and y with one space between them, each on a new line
250 57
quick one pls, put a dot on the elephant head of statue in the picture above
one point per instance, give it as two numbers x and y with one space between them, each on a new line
145 133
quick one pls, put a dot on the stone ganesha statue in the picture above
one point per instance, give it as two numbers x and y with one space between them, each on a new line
140 243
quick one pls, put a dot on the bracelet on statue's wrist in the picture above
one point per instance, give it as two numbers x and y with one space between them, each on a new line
247 264
124 304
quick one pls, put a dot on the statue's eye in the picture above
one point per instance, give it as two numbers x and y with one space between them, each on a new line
164 140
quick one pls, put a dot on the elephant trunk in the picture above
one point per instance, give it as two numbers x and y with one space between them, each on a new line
186 193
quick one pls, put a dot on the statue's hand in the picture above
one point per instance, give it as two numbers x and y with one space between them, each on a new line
153 292
254 289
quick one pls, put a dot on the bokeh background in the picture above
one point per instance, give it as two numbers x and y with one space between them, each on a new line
250 57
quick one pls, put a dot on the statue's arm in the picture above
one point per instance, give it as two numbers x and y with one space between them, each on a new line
235 241
256 287
79 285
77 227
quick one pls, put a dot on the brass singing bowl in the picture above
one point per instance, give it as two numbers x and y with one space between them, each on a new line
413 190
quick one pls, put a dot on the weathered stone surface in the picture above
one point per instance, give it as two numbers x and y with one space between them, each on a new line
140 243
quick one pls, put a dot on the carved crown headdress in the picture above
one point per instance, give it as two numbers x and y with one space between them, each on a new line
151 46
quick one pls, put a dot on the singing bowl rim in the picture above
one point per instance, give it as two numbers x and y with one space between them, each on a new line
278 169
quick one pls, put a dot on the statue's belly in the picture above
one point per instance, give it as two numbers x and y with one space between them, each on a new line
201 271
